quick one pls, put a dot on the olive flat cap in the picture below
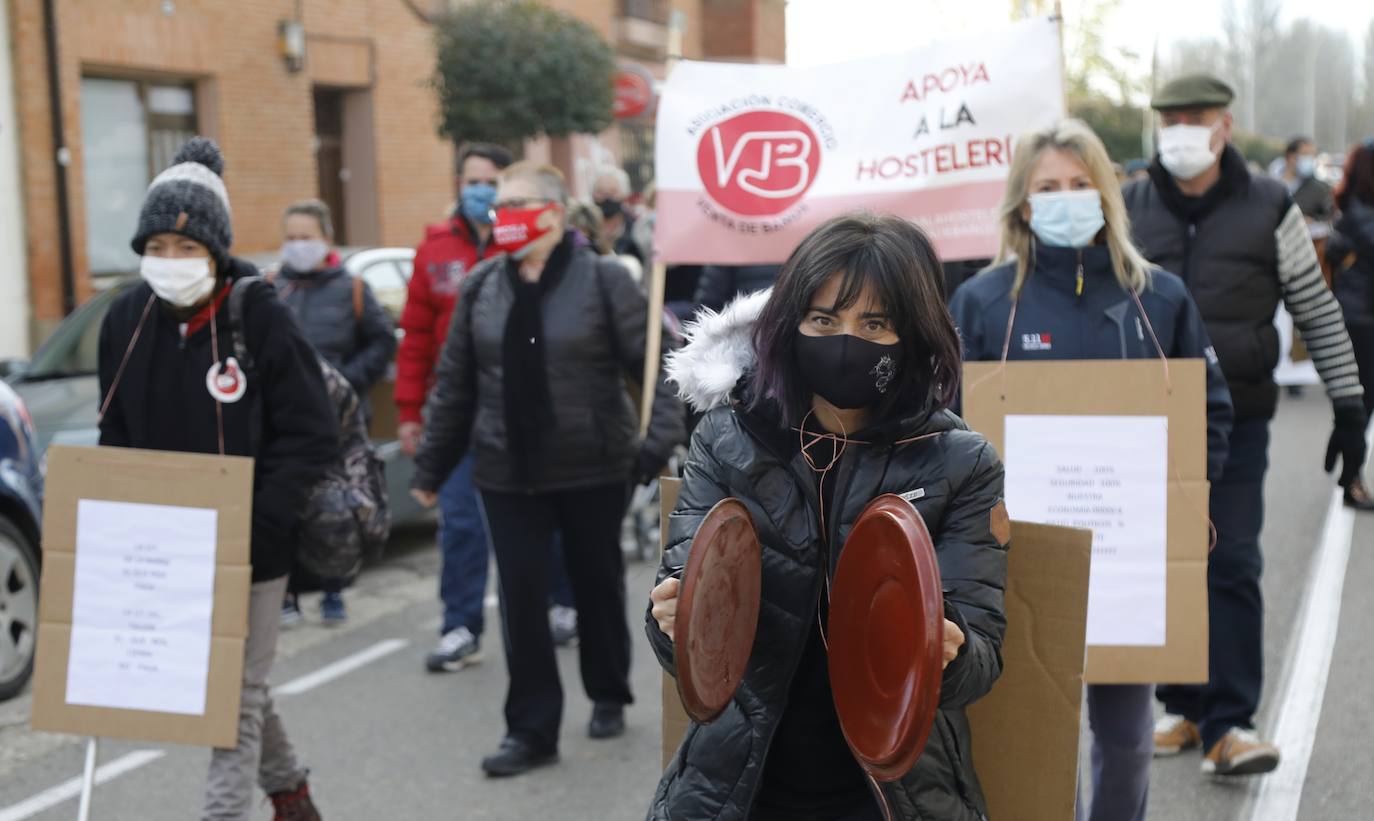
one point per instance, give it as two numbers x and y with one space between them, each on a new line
1193 91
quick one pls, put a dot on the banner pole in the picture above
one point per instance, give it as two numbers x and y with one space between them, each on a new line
653 335
88 779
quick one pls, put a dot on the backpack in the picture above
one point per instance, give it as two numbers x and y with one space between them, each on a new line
346 517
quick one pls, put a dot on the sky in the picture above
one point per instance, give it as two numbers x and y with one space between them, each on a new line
828 31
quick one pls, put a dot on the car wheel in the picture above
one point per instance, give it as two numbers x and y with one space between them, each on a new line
18 608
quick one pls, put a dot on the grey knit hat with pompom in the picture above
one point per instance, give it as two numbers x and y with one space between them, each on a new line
189 198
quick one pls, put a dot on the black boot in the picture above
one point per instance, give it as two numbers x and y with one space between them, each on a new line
608 721
1357 496
515 757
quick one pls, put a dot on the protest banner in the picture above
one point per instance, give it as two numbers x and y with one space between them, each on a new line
144 599
1025 731
749 159
1119 448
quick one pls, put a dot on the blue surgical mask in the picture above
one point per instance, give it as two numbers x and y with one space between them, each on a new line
477 200
1307 166
1067 219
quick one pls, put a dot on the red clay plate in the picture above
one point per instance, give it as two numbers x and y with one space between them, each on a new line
886 637
717 610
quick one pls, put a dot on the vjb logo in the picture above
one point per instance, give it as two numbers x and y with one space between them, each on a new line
759 163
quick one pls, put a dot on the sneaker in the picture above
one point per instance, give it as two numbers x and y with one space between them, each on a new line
291 612
457 649
1240 752
563 625
332 609
514 758
294 805
608 721
1175 734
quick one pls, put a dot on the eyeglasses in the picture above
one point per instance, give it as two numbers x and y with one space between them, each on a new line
520 202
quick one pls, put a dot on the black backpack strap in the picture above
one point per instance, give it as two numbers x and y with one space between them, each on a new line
237 293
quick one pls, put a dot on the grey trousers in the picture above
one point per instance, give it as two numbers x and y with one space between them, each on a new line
263 753
1122 720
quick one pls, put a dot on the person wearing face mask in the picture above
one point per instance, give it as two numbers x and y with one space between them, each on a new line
442 263
821 394
1312 196
169 381
531 382
1066 271
609 191
348 328
1240 244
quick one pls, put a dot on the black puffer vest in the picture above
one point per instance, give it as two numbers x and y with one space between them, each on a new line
1226 254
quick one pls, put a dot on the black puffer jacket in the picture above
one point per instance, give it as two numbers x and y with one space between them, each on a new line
360 345
285 420
1351 254
717 770
594 328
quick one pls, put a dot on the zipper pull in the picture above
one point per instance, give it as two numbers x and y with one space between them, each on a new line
1078 289
1139 329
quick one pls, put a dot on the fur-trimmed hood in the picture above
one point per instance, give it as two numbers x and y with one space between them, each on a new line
719 350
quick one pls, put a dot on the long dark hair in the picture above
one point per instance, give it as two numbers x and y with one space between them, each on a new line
1358 182
895 259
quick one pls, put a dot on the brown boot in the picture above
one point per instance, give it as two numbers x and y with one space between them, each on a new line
294 805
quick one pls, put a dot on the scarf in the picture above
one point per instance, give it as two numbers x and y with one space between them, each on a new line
1234 177
525 386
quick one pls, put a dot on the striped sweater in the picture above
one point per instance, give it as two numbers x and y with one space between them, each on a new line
1315 311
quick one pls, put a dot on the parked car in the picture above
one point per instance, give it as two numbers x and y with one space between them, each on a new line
21 494
61 389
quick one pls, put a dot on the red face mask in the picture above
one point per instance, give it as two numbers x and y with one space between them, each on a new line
516 228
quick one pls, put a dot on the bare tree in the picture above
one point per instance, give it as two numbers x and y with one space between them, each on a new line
1251 33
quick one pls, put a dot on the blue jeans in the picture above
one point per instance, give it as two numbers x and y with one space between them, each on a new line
1235 607
1122 719
466 556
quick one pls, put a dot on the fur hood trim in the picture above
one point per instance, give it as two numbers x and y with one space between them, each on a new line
719 350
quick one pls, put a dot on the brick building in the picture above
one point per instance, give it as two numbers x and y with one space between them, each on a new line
324 98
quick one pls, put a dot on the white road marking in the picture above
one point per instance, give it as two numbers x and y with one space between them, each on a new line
71 788
1278 795
342 667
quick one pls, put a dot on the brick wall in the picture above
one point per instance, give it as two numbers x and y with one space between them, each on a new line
260 113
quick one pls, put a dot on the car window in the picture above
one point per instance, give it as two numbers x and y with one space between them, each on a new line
74 348
388 285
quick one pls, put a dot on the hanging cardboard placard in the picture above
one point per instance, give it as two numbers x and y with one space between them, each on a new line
144 608
1120 448
1025 731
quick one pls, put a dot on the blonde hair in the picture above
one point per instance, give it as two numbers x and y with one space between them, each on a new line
1076 138
549 180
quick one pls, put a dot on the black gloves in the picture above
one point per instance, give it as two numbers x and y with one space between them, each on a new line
1347 441
648 466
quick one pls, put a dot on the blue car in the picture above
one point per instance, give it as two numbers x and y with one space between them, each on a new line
21 497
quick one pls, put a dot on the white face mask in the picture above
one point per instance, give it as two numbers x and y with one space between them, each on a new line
182 281
1186 150
303 255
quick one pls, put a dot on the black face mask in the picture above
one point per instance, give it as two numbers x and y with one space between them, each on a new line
610 208
846 371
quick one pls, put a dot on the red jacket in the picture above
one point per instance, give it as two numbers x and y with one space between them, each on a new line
442 262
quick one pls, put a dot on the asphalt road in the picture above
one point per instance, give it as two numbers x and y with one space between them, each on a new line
385 740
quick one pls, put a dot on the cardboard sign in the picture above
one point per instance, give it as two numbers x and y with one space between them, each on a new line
750 158
1026 730
1118 447
144 608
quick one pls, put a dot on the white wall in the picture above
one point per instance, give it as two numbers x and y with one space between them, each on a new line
14 278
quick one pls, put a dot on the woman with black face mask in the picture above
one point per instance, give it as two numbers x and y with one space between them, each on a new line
821 395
